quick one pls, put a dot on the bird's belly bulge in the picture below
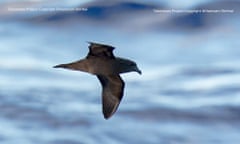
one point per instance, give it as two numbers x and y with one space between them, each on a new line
102 69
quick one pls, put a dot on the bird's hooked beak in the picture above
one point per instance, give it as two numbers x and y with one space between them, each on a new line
138 70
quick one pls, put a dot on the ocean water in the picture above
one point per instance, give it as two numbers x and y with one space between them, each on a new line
189 92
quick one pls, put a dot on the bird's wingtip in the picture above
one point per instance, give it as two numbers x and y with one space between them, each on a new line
108 111
106 117
57 66
100 44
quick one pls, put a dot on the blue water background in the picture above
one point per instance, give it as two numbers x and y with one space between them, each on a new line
189 92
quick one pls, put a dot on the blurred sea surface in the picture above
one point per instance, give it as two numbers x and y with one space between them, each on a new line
189 92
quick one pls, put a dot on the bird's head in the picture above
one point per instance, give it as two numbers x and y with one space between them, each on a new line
128 66
133 67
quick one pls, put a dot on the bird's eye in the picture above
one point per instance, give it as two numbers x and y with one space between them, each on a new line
132 64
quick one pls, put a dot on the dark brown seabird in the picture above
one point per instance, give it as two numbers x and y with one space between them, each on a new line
101 62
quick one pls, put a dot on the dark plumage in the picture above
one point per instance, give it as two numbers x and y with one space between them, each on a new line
101 62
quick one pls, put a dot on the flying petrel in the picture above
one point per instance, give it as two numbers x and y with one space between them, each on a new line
101 62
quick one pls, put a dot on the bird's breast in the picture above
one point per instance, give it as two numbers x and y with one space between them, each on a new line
102 67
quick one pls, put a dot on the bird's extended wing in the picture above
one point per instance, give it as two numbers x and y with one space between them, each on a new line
100 50
112 93
81 65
